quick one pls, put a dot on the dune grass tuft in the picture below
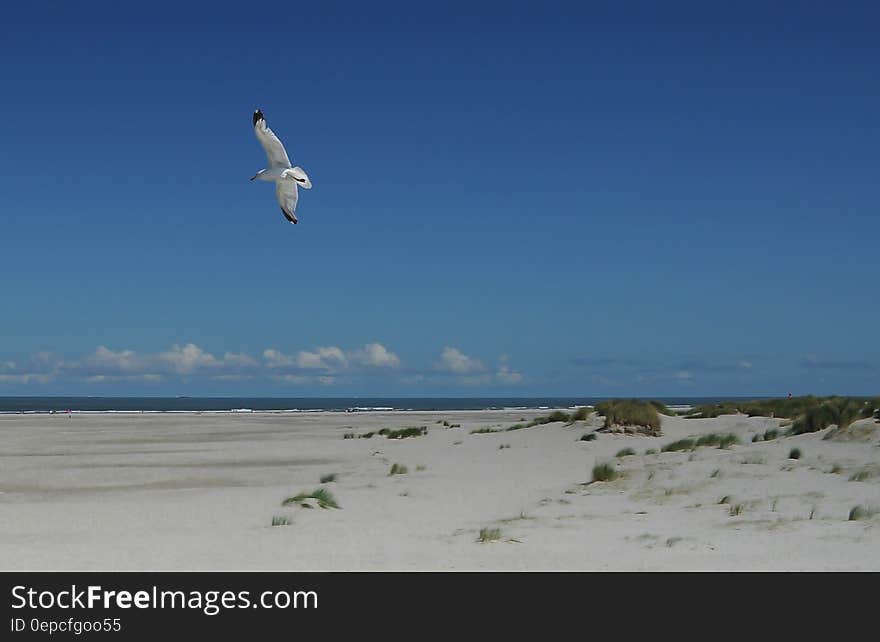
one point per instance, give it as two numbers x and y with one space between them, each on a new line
489 535
323 496
553 417
641 415
724 441
861 475
625 452
794 453
604 471
403 433
330 477
861 512
280 520
805 414
398 469
590 436
581 414
680 445
839 411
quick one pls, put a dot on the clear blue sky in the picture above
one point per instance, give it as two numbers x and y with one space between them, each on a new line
509 198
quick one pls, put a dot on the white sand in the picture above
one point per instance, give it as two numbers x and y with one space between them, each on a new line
193 492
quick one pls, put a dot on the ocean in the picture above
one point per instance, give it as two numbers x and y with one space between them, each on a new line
306 404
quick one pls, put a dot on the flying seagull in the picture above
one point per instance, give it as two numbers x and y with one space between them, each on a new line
286 178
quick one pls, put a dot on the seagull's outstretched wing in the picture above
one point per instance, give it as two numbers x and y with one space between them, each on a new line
274 149
302 179
287 196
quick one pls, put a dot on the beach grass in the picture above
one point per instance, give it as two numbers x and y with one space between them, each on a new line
488 534
794 453
862 475
806 414
723 441
859 512
280 520
398 469
323 496
604 471
680 445
553 417
403 433
625 452
330 477
581 414
641 415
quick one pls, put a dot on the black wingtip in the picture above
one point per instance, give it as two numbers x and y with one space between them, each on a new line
258 116
290 218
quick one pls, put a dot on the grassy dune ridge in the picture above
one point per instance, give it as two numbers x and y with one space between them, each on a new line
809 413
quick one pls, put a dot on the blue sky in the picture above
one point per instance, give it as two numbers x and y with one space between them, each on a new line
520 199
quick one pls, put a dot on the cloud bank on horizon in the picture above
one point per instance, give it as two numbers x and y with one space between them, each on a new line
184 363
375 369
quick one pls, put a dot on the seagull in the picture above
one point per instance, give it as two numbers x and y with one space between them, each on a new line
285 177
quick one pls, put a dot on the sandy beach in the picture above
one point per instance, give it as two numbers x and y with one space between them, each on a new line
188 491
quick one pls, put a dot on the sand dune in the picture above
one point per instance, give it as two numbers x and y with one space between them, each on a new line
199 491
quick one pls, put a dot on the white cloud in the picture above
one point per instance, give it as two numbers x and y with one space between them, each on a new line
188 359
746 365
323 358
454 360
290 378
276 359
239 359
123 360
507 375
27 378
321 365
375 355
141 377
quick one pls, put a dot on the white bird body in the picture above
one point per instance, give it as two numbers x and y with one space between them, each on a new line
280 171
